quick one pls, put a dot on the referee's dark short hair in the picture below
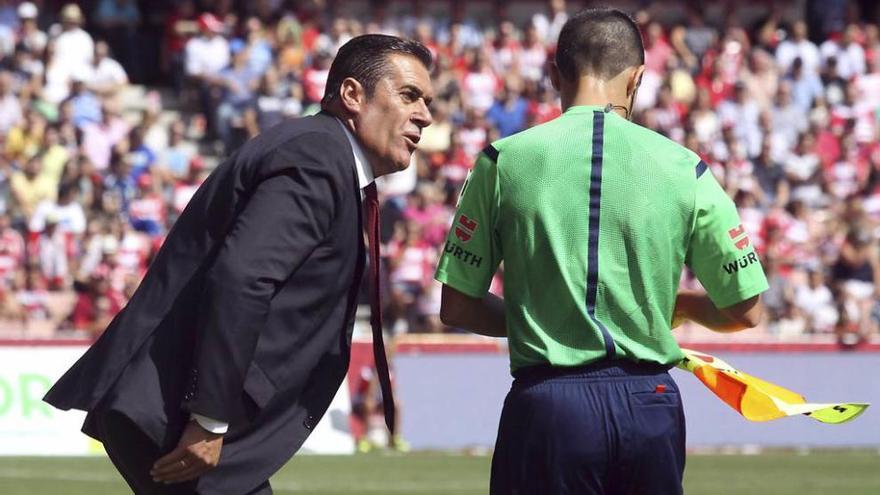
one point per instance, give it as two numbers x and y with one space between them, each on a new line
365 59
600 42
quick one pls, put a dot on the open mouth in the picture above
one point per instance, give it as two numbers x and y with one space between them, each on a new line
412 140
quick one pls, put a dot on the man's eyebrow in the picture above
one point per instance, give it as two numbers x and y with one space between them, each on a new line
418 91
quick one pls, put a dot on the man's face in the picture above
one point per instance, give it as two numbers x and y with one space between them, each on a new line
389 124
799 31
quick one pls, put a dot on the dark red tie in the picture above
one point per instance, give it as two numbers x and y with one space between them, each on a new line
372 199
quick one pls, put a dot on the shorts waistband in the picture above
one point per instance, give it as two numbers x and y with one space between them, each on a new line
599 369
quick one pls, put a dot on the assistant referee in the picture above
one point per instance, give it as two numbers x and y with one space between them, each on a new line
594 218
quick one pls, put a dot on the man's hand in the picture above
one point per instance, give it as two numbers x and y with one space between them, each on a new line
197 452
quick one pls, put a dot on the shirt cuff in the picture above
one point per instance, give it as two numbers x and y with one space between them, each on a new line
212 425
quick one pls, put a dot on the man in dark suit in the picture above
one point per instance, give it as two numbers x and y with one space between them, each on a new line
239 336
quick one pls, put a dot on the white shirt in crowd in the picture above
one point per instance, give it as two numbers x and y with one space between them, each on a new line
69 217
850 59
206 56
108 73
10 112
480 89
548 29
789 50
818 303
74 50
869 89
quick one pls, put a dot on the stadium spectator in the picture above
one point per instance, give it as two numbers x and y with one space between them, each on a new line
480 83
85 105
858 271
798 47
94 308
184 188
258 46
849 54
549 24
117 22
205 56
509 113
238 84
175 159
315 77
147 210
30 36
788 119
805 87
108 77
741 113
12 252
51 256
533 55
100 138
10 106
29 187
67 215
816 302
73 48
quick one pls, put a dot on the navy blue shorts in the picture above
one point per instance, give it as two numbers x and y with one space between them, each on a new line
615 427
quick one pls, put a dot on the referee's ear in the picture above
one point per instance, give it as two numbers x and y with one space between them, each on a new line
635 80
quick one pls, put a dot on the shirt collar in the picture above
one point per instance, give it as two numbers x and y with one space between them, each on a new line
364 171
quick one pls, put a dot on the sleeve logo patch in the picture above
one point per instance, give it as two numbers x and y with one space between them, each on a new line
463 254
740 264
465 228
739 237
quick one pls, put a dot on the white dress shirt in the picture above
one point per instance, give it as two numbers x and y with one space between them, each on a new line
364 170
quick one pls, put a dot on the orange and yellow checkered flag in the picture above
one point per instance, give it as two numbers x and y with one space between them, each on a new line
758 400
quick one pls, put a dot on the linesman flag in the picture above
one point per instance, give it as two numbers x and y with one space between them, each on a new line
757 400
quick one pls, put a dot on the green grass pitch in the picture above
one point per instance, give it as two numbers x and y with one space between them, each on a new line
849 472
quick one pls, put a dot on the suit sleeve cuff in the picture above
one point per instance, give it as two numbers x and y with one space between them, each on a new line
211 425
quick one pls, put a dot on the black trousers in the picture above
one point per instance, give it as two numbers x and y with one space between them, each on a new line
134 453
612 428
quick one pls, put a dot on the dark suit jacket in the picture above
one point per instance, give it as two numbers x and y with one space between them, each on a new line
246 313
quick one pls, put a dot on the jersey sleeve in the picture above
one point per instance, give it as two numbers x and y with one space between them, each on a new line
472 251
720 253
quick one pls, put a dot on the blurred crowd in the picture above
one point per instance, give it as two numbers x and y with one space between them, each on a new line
94 170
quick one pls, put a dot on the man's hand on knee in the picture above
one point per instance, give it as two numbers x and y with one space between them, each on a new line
196 453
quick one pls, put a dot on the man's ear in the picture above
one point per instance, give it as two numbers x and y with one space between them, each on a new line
351 95
635 80
554 75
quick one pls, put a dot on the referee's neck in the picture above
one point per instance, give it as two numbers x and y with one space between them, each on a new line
590 90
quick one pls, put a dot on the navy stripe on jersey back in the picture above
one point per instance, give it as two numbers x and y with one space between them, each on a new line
593 244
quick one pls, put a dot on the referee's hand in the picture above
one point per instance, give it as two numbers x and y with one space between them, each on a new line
196 453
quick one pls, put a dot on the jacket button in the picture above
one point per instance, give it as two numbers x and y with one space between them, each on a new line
309 422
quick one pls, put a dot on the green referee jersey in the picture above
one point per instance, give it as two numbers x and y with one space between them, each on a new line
594 218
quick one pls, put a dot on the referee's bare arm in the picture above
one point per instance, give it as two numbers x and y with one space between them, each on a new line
697 307
484 316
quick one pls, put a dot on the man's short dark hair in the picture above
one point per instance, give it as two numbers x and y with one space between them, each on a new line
365 59
600 42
